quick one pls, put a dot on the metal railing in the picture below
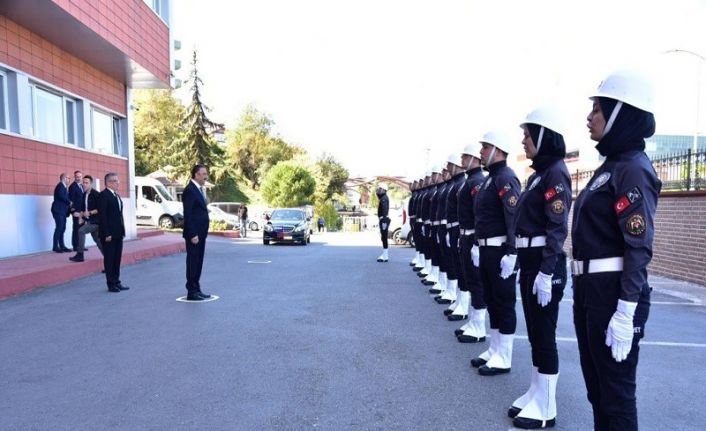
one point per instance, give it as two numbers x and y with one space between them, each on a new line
685 171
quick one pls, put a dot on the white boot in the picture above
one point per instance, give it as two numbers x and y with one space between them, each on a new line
540 412
521 402
414 260
475 332
420 261
427 267
500 362
441 285
463 327
433 275
461 310
383 257
451 291
484 357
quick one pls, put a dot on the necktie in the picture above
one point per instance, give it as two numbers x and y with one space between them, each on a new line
203 193
120 201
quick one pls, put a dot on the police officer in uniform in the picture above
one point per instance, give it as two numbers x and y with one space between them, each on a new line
495 206
430 207
440 222
412 222
458 310
425 228
542 226
612 233
474 330
383 218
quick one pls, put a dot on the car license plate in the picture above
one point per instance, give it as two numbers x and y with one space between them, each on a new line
286 236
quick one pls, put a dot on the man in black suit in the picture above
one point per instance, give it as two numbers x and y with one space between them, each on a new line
88 218
112 231
75 196
60 209
195 230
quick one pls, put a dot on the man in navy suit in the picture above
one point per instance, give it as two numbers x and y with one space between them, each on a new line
111 228
76 197
195 230
60 209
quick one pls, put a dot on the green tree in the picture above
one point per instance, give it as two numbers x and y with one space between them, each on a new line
331 178
330 215
197 145
157 127
252 148
288 185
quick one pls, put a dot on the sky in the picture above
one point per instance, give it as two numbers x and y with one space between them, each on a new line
390 87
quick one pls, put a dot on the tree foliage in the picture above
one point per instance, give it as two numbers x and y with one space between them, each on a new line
288 185
252 148
331 178
196 144
157 127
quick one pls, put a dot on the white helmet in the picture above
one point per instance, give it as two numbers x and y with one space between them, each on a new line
499 139
546 116
382 186
454 159
629 87
472 149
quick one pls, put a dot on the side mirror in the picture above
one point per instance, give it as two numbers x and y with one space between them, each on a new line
308 219
158 199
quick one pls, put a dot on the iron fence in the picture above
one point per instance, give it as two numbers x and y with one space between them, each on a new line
685 171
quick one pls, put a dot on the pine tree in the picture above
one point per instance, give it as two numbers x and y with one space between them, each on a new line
196 146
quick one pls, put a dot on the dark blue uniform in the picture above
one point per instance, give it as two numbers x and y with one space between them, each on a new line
495 206
383 217
425 210
452 227
60 208
613 217
543 214
466 218
440 219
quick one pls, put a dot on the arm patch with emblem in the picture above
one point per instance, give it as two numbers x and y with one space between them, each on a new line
553 191
624 202
504 190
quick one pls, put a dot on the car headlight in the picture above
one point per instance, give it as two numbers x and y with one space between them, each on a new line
268 227
300 228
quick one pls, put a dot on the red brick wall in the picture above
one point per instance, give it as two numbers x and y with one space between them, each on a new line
679 250
131 26
30 53
31 167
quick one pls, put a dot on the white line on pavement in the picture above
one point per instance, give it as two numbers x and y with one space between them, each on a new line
642 343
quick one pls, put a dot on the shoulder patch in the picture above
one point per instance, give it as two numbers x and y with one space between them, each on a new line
534 183
599 181
553 191
512 200
636 225
475 190
558 206
626 200
504 190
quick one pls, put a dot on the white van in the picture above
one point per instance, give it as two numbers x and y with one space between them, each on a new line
155 206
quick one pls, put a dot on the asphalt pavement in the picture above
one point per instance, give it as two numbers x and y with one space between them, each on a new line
302 337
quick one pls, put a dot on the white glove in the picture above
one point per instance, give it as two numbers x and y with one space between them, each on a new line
448 240
423 231
475 256
543 288
620 330
507 265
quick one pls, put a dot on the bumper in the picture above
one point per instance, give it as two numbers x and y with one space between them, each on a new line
283 237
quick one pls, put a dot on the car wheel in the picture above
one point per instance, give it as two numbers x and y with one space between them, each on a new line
266 241
410 239
166 222
254 226
397 237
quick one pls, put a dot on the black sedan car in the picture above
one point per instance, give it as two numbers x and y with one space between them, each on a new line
287 225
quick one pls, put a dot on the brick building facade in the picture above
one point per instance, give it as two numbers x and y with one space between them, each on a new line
67 68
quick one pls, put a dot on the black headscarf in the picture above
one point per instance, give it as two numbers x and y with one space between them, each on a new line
551 149
629 130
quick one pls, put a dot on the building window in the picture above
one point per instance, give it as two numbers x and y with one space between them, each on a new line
4 121
54 117
106 132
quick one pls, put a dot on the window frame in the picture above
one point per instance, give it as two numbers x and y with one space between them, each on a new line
116 138
34 87
5 101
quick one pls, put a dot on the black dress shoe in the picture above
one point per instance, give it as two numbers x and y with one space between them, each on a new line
411 264
416 269
456 317
470 339
448 312
440 300
485 370
533 424
121 287
420 275
203 295
434 291
513 411
76 258
428 283
65 250
458 332
478 362
113 289
194 297
56 250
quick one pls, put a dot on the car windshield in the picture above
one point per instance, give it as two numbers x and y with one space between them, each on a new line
216 210
163 191
287 215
